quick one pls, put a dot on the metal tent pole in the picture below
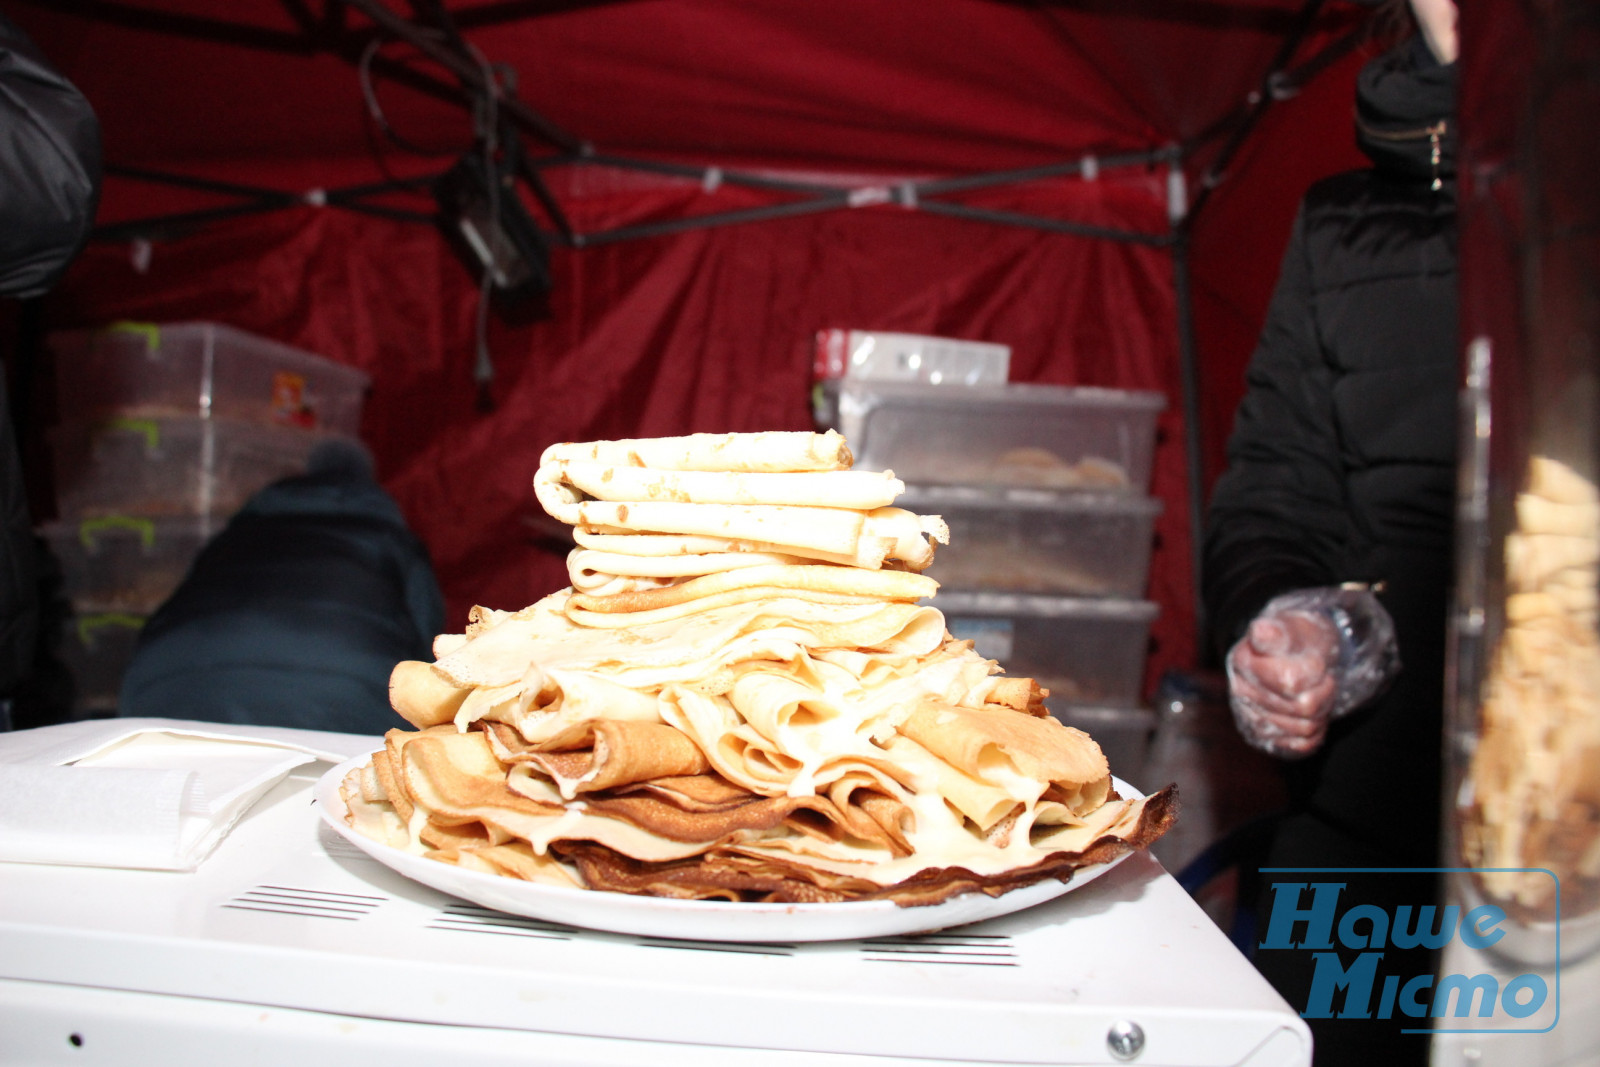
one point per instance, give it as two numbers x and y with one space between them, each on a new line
1189 374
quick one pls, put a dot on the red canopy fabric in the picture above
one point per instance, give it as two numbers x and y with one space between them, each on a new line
709 329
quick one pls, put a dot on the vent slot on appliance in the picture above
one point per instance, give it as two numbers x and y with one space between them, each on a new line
306 903
472 919
737 947
976 950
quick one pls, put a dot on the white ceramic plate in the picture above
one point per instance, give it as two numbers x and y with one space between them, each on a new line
696 920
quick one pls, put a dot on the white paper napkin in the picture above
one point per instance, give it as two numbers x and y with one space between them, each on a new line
156 794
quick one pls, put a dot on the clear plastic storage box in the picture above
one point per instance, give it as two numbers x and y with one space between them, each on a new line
97 648
125 563
1085 650
170 465
909 357
1028 541
1032 436
201 368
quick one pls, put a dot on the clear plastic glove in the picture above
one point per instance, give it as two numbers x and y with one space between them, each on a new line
1308 658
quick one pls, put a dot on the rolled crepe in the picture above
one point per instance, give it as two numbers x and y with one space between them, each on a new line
368 811
469 835
608 573
864 538
679 566
1535 559
611 584
455 779
999 745
1019 694
796 579
612 620
571 480
637 545
422 696
1536 514
975 799
831 529
770 451
599 754
1555 481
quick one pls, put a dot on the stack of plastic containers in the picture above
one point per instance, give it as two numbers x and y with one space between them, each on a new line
1046 492
163 432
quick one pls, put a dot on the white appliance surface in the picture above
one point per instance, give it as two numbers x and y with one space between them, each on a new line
289 941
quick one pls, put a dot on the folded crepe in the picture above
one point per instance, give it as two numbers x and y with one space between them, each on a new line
567 481
598 573
639 547
863 538
773 580
769 451
998 746
597 754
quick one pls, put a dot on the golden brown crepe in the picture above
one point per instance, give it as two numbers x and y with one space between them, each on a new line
771 451
596 754
422 696
774 580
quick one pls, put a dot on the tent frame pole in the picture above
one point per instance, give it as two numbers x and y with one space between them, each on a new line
255 201
1193 438
818 197
914 195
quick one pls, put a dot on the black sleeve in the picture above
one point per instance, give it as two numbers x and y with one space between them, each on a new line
1277 516
49 168
19 568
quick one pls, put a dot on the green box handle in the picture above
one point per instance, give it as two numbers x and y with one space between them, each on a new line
88 529
149 429
88 624
148 330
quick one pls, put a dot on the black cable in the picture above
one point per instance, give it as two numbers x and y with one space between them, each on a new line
486 118
487 139
369 94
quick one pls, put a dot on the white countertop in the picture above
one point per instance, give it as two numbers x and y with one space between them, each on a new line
287 917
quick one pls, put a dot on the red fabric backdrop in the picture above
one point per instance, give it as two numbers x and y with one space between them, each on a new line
708 330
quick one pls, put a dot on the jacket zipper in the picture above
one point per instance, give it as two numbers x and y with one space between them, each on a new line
1434 134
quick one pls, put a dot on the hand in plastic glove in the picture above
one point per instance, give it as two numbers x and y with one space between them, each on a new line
1309 657
1279 682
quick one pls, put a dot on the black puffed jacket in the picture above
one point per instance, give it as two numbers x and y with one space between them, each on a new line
49 187
1341 466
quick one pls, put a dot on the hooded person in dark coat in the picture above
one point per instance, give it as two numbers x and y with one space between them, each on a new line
1329 536
296 613
49 188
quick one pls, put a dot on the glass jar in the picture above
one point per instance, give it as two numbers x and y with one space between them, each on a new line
1523 744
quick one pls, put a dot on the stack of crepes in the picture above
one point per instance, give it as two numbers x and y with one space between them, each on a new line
739 698
1534 803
